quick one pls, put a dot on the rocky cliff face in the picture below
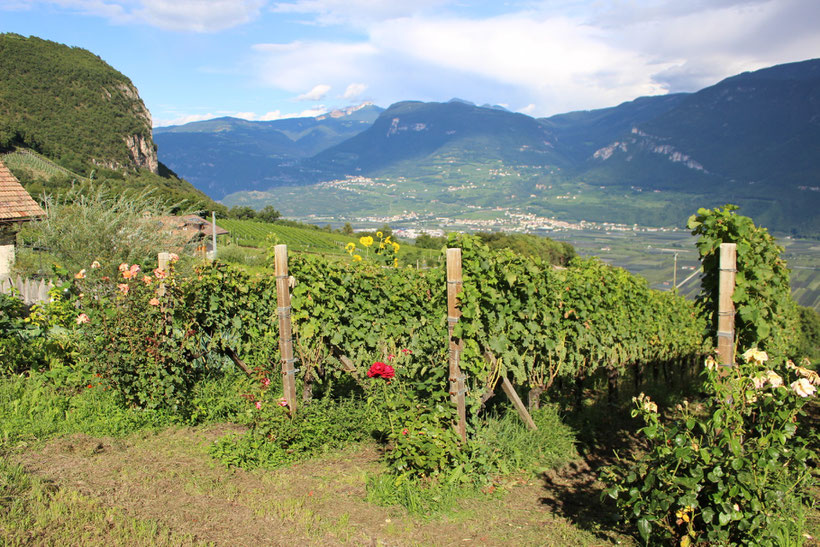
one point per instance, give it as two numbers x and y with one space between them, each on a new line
141 148
142 152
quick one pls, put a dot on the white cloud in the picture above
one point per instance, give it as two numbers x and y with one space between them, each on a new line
354 91
545 59
297 66
316 94
198 15
177 15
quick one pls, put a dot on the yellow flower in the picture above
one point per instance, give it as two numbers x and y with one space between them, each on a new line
367 241
387 240
396 247
379 235
357 258
350 247
395 262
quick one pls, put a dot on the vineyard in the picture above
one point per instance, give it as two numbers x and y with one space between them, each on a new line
37 165
260 234
330 353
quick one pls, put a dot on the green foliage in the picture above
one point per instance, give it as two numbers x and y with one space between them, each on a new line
548 250
234 313
104 226
65 400
67 103
728 471
297 238
514 447
522 318
32 339
766 315
809 343
276 439
426 241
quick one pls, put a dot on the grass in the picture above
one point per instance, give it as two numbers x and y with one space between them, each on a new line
37 511
78 470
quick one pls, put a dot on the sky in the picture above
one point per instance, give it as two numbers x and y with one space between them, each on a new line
268 59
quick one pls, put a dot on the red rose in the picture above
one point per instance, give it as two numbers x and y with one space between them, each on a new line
381 370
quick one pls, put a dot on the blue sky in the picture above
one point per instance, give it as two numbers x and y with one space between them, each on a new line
266 59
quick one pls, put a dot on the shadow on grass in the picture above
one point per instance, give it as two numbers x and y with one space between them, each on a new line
605 432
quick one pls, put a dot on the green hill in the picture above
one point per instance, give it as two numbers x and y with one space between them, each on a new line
67 106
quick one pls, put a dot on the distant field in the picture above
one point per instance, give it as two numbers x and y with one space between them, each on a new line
651 254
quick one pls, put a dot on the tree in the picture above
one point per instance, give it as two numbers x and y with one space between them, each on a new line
347 229
268 214
241 212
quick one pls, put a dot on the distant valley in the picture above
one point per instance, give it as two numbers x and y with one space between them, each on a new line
753 139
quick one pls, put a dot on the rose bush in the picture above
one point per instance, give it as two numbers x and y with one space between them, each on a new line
729 470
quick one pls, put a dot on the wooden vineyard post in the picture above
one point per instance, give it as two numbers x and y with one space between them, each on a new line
163 263
726 308
457 383
285 330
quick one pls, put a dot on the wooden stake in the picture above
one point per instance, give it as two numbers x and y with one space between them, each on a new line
163 263
726 308
508 388
285 329
458 387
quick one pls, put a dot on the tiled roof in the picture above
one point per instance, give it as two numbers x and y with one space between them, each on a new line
15 201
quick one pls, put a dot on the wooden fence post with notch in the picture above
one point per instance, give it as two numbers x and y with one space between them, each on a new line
285 330
457 384
726 308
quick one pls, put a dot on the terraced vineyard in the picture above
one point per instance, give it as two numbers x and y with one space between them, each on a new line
35 163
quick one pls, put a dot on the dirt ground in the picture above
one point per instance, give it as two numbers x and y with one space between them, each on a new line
169 478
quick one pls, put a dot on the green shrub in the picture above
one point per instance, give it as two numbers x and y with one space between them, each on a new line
276 439
728 471
136 333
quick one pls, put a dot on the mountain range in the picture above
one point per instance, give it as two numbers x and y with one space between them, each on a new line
751 139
